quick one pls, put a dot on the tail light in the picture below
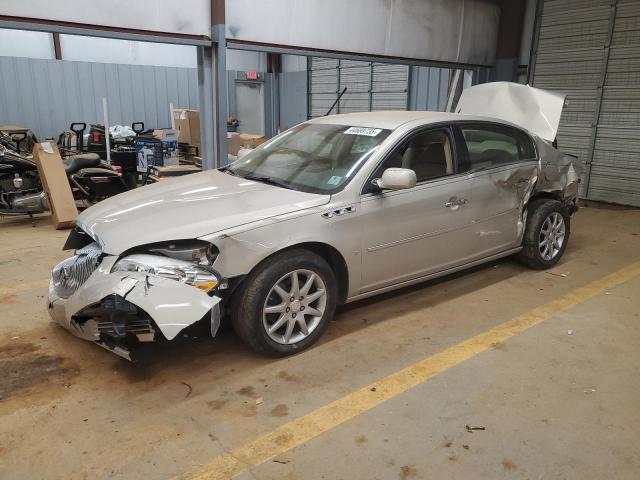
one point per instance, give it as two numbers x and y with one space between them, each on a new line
95 137
118 169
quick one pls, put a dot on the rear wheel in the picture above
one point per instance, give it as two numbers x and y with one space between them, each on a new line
546 234
285 305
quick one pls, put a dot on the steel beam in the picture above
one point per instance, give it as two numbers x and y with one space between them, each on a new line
312 52
15 23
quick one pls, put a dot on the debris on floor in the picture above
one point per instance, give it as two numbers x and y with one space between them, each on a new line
190 389
471 429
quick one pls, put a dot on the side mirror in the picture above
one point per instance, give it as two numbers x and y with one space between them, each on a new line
396 179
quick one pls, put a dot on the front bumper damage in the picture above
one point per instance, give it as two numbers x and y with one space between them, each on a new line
110 309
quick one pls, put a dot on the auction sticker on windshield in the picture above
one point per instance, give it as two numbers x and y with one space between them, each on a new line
369 132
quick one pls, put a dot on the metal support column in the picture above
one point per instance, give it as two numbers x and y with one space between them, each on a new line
212 91
533 54
207 114
218 33
220 69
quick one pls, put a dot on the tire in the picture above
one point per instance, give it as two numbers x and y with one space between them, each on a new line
541 213
258 292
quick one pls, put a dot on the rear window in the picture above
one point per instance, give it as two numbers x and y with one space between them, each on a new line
492 146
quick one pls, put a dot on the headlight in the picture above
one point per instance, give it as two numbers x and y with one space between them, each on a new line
194 251
186 272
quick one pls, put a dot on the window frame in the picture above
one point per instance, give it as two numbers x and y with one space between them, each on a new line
495 127
370 188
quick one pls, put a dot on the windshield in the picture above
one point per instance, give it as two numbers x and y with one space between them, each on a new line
315 158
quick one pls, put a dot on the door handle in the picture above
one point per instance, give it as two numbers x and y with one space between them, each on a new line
455 202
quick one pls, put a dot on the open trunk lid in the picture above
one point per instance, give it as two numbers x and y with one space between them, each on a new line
533 109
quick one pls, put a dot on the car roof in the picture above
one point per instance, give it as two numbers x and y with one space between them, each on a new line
393 119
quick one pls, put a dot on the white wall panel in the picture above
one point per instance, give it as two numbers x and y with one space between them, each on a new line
460 31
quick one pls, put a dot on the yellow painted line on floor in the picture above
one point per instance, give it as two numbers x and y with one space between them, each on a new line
313 424
24 286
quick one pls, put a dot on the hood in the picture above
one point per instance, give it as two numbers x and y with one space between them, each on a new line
535 110
187 207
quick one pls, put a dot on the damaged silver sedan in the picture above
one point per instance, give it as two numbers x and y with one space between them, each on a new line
333 210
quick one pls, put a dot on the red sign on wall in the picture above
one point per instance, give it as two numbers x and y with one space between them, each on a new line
252 75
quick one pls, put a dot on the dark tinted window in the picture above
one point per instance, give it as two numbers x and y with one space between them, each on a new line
490 146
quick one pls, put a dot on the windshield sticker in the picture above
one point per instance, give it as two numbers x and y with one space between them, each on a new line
369 132
335 180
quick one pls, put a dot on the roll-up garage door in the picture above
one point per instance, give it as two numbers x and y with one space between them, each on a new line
590 50
370 86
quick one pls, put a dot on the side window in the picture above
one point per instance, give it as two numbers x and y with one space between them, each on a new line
494 146
429 154
527 150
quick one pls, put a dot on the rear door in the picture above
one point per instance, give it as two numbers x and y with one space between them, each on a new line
502 164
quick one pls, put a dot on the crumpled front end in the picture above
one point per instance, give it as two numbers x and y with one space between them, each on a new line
116 309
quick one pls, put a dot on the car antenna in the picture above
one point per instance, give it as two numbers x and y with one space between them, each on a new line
336 102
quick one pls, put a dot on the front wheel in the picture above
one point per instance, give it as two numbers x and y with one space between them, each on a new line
286 304
546 234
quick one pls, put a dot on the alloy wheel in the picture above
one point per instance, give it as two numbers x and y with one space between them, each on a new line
552 236
294 306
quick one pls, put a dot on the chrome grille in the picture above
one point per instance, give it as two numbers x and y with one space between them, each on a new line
137 326
71 273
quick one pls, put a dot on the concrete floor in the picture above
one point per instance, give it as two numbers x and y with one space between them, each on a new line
554 405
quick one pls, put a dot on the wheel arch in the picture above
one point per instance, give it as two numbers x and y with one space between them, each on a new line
569 203
333 257
330 254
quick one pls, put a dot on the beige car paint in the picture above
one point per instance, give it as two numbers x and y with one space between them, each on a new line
386 240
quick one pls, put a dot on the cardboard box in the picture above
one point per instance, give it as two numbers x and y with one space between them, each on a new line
55 183
251 140
187 122
233 143
166 135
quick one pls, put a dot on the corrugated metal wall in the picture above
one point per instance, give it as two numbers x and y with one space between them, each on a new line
590 50
428 88
47 95
370 86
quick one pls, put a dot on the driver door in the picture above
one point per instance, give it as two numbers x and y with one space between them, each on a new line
408 234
